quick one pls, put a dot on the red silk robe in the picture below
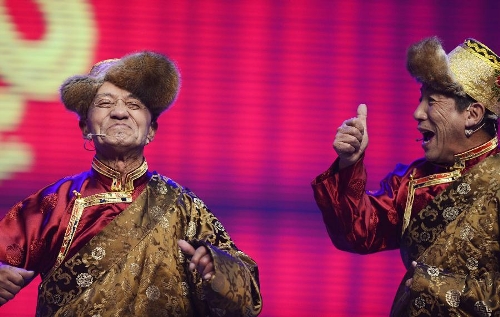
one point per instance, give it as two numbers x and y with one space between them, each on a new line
105 248
365 222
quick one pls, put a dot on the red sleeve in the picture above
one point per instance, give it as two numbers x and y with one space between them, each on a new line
31 231
359 221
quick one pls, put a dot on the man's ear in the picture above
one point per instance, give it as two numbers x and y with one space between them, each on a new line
83 127
152 130
475 114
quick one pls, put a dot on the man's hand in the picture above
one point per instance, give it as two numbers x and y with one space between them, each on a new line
351 139
201 259
410 280
12 279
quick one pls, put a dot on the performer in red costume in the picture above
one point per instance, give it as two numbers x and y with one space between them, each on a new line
119 239
441 211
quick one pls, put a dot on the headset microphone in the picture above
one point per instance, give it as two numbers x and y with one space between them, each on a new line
90 135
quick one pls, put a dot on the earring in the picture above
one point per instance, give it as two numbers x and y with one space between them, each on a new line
469 132
88 144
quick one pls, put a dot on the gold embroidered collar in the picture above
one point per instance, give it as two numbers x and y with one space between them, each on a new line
455 171
116 177
461 160
477 151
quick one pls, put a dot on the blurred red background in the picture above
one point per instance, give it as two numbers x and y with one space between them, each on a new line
265 85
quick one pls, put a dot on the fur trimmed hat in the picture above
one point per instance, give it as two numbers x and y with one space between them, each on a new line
470 69
150 76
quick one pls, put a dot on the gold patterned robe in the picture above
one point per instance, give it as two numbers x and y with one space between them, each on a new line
456 244
444 218
133 266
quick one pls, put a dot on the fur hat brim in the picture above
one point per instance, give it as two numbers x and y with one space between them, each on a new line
428 64
150 76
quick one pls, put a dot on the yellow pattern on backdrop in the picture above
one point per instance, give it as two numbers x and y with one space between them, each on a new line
34 69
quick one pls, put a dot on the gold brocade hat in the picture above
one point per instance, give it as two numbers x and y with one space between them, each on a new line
470 69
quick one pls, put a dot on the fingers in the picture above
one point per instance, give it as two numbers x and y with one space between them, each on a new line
12 280
201 259
349 137
362 113
408 282
27 275
186 247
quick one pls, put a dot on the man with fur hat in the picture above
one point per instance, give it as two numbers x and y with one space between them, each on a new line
442 211
119 239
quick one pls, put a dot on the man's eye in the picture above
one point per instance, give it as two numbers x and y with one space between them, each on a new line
104 103
133 105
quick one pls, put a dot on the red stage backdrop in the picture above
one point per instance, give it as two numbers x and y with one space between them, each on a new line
265 85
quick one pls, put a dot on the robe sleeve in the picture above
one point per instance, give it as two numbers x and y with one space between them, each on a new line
30 231
483 294
234 289
356 220
436 291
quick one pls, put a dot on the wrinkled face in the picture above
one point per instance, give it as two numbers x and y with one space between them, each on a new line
123 118
442 126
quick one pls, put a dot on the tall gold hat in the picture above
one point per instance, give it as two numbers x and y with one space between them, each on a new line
470 69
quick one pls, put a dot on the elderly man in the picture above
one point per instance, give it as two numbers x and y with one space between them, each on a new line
442 211
119 239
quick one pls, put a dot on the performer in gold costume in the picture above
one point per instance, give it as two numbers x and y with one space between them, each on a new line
119 239
441 211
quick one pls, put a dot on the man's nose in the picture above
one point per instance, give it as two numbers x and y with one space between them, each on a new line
420 113
120 108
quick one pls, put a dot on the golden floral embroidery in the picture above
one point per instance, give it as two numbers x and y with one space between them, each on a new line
165 223
134 269
356 188
466 233
419 302
463 188
472 264
162 189
15 254
482 309
57 298
13 214
37 248
84 280
185 288
98 253
453 297
198 202
450 213
452 236
136 245
191 231
433 271
393 217
48 203
156 212
153 292
218 225
425 236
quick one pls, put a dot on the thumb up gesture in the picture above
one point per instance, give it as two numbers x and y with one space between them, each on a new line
351 139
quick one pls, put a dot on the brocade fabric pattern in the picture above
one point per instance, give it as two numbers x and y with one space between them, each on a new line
134 267
452 233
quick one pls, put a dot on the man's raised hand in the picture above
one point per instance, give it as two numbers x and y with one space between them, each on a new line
351 139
